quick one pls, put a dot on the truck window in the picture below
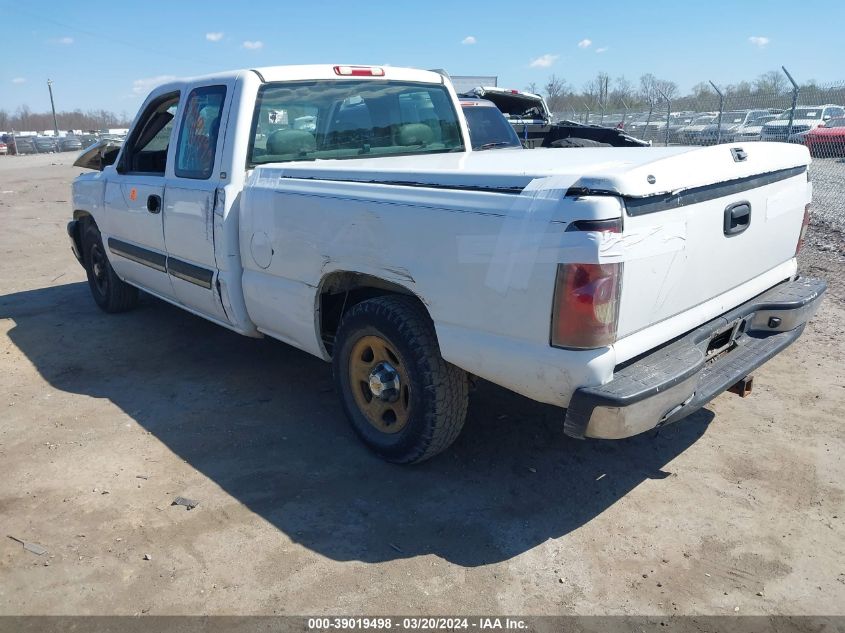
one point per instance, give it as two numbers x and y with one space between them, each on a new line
146 149
489 128
197 144
351 119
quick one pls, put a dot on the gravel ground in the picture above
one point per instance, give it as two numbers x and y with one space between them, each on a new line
828 176
105 419
824 255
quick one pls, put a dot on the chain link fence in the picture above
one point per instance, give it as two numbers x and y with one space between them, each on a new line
813 116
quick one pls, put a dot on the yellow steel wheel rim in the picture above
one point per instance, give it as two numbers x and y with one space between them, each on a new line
378 378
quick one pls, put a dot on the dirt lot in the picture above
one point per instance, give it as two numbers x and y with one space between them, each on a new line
105 419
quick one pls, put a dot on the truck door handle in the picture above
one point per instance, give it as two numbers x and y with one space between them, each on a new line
737 218
154 203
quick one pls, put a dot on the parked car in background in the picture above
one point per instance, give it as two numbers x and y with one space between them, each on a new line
676 124
89 139
46 144
689 134
806 118
3 148
25 145
798 137
488 127
647 129
828 140
524 108
724 130
751 130
70 144
535 126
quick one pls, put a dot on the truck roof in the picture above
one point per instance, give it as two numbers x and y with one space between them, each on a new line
327 71
317 71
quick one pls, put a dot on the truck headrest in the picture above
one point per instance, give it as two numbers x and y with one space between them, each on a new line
415 134
291 142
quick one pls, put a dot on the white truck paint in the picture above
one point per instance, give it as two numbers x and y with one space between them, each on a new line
481 239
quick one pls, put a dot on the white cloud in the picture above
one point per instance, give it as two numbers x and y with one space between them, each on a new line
253 45
585 43
469 39
19 80
143 86
67 41
759 41
214 36
603 49
543 61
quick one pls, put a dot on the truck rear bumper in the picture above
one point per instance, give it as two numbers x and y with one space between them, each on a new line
673 381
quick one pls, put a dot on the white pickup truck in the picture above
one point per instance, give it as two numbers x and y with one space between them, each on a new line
340 209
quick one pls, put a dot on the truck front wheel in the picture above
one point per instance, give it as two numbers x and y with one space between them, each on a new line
110 292
403 400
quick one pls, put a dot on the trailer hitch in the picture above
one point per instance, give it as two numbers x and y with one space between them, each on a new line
743 387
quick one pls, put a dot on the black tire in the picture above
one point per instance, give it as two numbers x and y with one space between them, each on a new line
110 293
435 398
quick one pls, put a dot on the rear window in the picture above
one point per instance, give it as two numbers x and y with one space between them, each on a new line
351 119
803 113
488 128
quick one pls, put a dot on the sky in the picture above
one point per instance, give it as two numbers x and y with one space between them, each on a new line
108 54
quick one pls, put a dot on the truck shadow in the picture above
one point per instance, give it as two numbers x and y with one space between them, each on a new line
259 419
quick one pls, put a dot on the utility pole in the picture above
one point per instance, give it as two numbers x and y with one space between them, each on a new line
53 106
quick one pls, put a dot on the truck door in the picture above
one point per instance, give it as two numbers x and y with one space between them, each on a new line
190 198
132 223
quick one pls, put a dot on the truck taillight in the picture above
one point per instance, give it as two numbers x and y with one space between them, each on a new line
359 71
805 223
585 313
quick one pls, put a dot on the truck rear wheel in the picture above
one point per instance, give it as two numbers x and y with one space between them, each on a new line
110 293
403 400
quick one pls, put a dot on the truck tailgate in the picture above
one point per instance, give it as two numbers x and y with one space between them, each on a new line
684 248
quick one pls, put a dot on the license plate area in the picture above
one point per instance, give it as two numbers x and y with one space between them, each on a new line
724 340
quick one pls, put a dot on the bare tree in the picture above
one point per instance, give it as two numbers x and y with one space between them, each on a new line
668 88
532 87
651 88
555 92
772 82
648 88
595 90
25 120
623 91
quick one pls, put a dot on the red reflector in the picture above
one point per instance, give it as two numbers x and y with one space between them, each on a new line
514 92
359 71
586 305
805 223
